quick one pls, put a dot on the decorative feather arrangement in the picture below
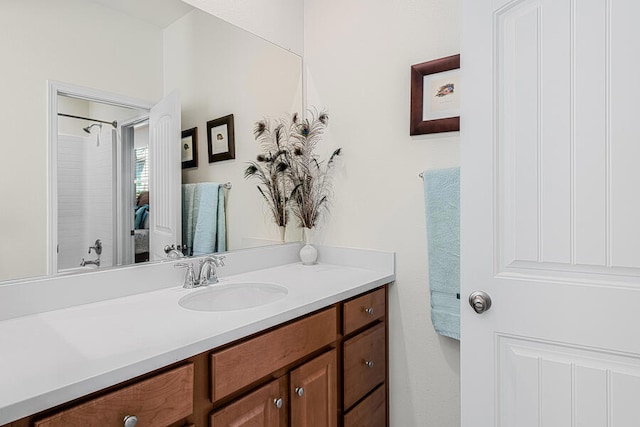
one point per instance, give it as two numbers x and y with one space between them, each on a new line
271 166
310 177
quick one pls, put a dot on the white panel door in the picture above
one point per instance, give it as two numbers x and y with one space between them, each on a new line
165 197
550 221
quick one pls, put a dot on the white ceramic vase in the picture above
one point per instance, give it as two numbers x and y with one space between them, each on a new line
308 254
283 231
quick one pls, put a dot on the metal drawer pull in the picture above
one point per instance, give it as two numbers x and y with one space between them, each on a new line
278 402
130 420
368 363
299 391
369 311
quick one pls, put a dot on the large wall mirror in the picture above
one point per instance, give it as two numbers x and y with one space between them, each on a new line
142 50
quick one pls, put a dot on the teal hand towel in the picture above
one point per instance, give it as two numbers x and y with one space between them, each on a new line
221 234
204 228
188 191
442 202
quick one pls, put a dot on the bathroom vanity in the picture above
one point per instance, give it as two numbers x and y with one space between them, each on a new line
318 355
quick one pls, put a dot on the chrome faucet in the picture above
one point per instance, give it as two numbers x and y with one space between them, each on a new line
95 262
207 272
175 252
208 269
97 247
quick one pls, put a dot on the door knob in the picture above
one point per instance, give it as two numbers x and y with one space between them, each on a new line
299 391
480 301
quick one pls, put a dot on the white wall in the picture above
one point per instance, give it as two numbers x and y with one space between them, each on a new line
65 40
201 57
279 21
357 57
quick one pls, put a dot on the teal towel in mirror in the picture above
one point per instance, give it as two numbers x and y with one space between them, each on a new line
203 218
442 199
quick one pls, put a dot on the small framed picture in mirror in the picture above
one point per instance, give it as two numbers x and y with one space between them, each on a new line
221 139
190 148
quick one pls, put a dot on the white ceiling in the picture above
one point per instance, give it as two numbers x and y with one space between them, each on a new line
160 13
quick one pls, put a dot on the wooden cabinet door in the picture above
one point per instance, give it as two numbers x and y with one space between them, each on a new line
314 390
265 407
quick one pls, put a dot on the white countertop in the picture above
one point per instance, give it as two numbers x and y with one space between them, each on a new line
56 356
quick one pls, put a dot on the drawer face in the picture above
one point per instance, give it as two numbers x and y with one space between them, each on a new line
363 310
260 408
364 363
371 412
244 363
159 400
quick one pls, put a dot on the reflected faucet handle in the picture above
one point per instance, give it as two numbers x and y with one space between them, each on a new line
97 246
218 260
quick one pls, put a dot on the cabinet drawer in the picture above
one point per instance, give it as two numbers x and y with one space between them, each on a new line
371 412
157 401
247 362
259 408
364 363
363 310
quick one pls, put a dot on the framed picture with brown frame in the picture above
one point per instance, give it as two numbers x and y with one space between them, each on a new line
435 96
220 137
190 148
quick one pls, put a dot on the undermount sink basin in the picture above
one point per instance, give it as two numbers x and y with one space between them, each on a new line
233 296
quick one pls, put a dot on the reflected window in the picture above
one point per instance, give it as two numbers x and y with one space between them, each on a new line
142 170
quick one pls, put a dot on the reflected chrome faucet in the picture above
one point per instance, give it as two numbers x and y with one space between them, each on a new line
95 262
97 247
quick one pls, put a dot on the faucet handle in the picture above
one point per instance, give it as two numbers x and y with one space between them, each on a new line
190 276
97 246
216 260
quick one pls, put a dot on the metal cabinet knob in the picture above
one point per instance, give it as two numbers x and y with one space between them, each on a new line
480 301
368 363
369 311
299 391
278 402
130 421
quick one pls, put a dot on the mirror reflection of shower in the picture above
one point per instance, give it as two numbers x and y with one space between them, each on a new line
89 193
90 127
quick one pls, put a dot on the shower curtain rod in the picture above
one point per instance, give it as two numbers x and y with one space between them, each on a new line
113 123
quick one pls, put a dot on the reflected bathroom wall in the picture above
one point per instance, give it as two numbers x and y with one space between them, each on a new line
87 156
223 70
